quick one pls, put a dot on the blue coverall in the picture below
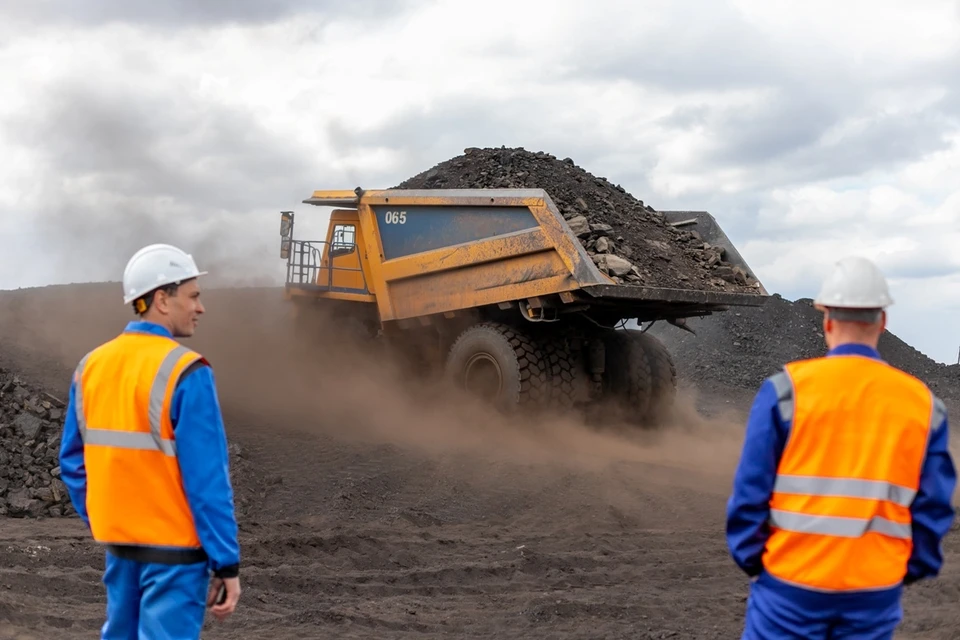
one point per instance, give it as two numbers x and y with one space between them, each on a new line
152 600
778 610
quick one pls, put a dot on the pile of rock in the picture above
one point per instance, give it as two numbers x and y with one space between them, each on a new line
628 240
742 346
31 422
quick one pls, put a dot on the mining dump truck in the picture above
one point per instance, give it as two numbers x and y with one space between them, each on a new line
492 288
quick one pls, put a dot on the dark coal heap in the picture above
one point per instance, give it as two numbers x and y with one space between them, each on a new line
30 425
628 240
742 346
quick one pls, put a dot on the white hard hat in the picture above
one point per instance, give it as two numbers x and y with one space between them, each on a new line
154 266
854 283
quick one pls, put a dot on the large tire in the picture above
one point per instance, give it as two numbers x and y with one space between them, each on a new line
561 364
501 364
628 375
663 375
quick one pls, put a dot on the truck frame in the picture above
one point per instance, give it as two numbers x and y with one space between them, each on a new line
492 288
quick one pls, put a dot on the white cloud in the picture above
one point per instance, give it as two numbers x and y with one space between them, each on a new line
807 136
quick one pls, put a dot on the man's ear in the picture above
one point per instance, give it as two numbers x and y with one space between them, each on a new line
161 301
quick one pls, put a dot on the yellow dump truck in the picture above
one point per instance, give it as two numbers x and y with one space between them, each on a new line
511 304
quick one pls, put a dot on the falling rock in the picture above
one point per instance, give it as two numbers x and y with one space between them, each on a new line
603 245
601 228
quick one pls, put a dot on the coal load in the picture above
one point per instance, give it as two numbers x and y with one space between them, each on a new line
627 239
30 426
742 346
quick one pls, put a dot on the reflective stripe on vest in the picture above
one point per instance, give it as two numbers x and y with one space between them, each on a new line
123 393
840 510
128 439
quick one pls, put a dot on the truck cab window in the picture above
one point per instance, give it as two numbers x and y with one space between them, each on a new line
344 240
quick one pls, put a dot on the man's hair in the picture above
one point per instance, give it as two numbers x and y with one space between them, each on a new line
863 316
142 304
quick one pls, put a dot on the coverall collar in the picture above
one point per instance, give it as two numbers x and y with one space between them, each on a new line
142 326
854 349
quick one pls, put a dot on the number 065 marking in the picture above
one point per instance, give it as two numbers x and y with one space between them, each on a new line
395 217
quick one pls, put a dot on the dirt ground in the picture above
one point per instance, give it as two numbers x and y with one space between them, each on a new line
371 507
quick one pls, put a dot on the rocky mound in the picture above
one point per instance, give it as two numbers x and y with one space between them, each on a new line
628 240
31 422
30 425
741 346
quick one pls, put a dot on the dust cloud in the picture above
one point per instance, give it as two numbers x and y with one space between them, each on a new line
276 378
333 384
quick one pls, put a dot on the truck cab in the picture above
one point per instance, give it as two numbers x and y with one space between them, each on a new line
335 266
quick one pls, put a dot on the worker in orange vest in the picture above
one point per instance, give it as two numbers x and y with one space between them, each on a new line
144 458
843 490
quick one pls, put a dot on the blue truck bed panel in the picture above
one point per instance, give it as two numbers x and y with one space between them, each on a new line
406 230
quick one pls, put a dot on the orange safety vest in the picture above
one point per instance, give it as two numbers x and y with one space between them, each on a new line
840 510
123 393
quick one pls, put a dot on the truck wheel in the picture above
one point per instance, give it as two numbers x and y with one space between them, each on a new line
628 375
663 375
562 369
500 364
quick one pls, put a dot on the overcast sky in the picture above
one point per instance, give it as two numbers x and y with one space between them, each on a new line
809 129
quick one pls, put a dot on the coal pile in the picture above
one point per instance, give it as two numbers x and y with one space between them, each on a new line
31 422
742 346
627 239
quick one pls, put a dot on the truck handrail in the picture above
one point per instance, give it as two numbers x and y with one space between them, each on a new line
304 264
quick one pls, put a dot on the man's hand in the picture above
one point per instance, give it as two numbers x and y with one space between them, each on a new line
221 610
